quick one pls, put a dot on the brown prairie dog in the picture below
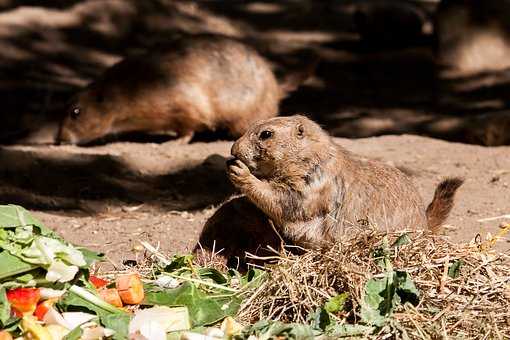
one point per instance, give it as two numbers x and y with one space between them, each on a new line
315 191
202 83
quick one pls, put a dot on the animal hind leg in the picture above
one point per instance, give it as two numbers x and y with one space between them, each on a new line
185 138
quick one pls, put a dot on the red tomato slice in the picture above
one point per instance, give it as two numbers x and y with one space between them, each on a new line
97 281
23 300
43 308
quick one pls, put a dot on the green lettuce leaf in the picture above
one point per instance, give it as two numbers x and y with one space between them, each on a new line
203 310
11 265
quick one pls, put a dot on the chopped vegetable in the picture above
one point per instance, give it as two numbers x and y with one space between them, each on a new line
48 293
93 299
23 300
215 333
93 331
61 272
30 326
231 327
150 321
75 319
43 308
130 288
196 336
98 282
111 296
4 335
150 331
57 332
52 317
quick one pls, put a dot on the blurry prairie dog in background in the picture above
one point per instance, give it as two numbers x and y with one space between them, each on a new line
199 83
473 35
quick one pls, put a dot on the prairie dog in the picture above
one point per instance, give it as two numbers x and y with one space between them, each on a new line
315 191
201 83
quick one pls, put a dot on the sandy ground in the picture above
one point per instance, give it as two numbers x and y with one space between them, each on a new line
116 195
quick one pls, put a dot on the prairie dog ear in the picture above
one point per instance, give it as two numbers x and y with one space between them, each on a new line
300 130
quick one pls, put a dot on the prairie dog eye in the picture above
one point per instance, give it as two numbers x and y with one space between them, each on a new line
75 112
266 134
300 131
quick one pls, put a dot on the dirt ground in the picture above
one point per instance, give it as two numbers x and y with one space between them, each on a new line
390 101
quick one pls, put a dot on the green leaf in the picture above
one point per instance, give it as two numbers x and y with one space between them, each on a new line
90 256
26 278
203 310
213 274
265 330
336 303
12 325
254 277
44 250
348 330
5 308
178 262
406 289
74 334
7 321
377 301
381 296
119 323
11 265
23 235
26 239
382 256
454 270
12 216
401 240
319 319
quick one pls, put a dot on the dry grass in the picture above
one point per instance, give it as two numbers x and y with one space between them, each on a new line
474 305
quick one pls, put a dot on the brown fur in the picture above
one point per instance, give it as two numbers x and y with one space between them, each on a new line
317 192
201 83
442 203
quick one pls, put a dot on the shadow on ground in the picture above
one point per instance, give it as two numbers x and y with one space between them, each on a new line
42 179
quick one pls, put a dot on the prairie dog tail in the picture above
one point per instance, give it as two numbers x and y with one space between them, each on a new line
442 203
294 79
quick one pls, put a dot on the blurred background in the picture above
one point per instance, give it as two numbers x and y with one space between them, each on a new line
386 67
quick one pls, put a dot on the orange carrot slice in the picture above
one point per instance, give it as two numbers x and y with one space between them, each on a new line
111 295
130 288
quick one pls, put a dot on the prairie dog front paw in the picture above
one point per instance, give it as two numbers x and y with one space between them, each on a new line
239 173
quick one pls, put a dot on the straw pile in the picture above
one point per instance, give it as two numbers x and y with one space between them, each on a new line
475 304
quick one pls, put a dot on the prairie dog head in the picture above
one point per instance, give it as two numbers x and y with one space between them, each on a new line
270 147
87 118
